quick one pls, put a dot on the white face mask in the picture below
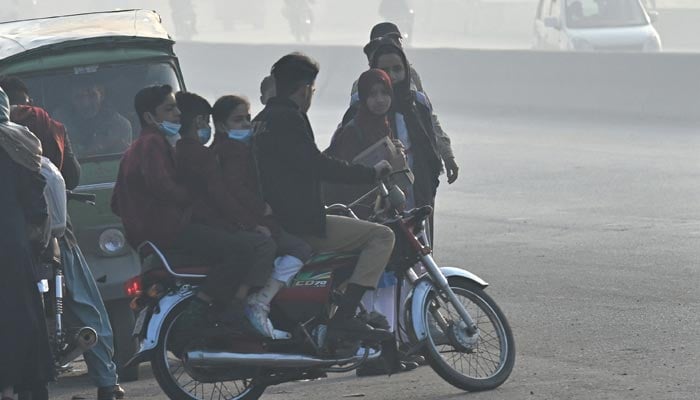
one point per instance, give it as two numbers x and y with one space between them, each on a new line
169 128
242 135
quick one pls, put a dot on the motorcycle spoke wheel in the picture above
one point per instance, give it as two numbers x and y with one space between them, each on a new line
181 383
199 390
481 362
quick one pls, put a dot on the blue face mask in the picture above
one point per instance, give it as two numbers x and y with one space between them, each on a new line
204 135
169 128
242 135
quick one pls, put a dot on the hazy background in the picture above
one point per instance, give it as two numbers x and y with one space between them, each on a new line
578 197
488 24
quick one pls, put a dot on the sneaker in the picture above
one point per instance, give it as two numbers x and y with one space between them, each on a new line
258 316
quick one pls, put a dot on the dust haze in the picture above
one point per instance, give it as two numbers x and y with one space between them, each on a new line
485 24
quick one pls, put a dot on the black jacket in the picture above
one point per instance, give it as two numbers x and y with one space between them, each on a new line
24 343
291 168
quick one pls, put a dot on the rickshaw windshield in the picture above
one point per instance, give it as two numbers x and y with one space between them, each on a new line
96 102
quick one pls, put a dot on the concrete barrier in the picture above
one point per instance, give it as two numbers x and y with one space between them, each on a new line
628 85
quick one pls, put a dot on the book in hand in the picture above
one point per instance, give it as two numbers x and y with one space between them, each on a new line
384 149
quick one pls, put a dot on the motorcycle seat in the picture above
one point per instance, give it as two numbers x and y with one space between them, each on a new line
188 272
324 257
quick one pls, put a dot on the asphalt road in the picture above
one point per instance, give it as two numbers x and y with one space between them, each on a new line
589 234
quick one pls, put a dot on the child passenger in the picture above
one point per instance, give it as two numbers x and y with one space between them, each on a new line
232 140
198 170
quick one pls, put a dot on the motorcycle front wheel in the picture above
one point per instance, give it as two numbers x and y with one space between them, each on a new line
480 362
177 381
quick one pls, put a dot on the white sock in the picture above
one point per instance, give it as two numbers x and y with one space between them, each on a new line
286 267
265 295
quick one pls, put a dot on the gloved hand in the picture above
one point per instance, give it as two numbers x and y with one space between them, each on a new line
382 169
452 170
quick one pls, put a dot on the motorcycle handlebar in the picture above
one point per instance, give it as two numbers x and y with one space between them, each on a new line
88 198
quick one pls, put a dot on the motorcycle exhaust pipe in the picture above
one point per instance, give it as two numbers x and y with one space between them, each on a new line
83 340
201 358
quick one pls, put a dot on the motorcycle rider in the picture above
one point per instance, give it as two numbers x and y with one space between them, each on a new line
155 207
300 17
185 18
291 168
267 89
83 301
444 144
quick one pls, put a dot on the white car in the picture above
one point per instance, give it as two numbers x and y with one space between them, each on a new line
596 25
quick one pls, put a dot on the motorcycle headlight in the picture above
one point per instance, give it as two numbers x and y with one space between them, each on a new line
112 242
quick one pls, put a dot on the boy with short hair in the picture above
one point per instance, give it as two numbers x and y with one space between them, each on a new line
154 206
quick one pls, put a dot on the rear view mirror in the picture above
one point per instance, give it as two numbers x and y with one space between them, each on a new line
653 16
552 22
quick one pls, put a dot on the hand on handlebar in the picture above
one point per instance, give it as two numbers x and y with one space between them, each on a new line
382 169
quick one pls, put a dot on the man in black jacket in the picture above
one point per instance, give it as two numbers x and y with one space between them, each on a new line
291 169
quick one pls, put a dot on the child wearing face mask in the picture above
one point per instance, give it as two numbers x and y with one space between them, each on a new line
232 145
216 206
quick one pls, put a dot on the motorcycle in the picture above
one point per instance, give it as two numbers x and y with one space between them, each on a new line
400 13
67 342
300 17
447 317
184 18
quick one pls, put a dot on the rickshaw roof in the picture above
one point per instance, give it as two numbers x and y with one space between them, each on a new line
18 37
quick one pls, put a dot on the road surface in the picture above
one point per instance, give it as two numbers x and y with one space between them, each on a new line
589 234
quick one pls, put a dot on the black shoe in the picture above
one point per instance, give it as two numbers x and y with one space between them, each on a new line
356 328
416 359
119 392
106 393
350 326
375 320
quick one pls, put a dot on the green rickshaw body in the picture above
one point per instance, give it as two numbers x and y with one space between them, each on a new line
73 66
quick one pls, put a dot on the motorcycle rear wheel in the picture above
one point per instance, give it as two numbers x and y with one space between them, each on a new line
472 364
176 382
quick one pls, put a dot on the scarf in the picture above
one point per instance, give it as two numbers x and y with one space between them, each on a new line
18 142
415 124
50 132
376 126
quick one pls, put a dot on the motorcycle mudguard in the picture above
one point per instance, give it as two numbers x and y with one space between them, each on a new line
420 295
148 344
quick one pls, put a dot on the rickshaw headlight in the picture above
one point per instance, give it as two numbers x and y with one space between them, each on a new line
112 242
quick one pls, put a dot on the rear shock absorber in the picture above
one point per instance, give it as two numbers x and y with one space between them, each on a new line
59 306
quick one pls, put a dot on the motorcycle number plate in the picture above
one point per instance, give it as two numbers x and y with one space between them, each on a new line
140 321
